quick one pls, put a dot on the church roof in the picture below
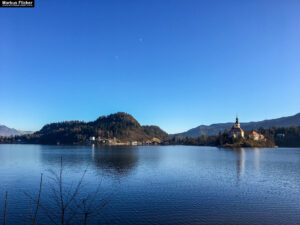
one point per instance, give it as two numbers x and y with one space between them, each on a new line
235 129
254 133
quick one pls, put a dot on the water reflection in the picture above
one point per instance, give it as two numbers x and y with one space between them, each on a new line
256 158
112 160
117 161
165 184
246 156
72 157
240 162
93 152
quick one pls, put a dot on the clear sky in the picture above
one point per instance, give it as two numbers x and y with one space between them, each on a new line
176 64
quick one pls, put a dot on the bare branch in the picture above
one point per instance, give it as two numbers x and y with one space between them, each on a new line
5 208
38 202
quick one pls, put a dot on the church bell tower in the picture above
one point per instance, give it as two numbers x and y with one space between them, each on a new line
237 124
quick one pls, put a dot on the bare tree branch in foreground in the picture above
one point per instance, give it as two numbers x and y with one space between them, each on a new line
5 208
33 218
67 203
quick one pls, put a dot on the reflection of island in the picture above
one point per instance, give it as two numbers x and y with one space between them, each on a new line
256 152
117 161
241 160
241 156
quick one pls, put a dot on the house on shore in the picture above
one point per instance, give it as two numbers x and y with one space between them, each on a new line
92 138
134 143
256 136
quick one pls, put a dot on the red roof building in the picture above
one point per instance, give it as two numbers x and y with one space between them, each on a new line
256 136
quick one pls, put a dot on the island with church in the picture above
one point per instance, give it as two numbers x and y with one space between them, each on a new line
234 137
237 137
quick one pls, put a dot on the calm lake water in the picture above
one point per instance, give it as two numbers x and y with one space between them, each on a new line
161 184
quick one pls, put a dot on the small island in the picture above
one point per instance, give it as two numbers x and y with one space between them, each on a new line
236 138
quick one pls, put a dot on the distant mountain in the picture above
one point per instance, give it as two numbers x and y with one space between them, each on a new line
6 131
121 126
214 129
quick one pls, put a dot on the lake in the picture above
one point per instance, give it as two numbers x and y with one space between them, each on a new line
158 184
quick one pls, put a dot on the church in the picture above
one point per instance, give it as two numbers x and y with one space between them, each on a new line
236 130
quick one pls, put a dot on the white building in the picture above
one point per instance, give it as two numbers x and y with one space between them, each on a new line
256 136
92 138
236 130
134 143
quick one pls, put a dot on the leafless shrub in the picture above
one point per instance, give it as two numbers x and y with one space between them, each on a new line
33 217
67 204
90 205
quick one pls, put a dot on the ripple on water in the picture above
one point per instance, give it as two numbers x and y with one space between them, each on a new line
164 184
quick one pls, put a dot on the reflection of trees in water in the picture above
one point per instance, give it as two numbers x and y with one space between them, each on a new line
118 161
74 157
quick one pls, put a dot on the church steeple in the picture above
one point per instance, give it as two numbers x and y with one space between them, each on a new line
236 130
237 124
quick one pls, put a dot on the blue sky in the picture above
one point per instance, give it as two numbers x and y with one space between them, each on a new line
176 64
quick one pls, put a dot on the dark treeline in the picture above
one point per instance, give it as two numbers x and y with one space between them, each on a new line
76 132
275 136
283 136
121 126
202 141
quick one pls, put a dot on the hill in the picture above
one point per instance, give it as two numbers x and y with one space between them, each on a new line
120 126
6 131
214 129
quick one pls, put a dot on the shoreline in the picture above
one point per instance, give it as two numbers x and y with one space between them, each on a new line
95 145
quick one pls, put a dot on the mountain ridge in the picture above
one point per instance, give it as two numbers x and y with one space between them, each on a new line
7 131
213 129
126 127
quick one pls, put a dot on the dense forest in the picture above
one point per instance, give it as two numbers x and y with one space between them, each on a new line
283 137
120 127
